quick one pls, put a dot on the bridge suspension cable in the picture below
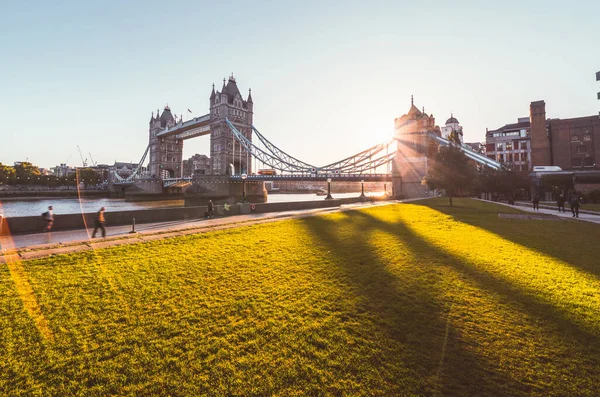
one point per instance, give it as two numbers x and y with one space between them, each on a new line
362 161
367 160
136 170
280 153
264 157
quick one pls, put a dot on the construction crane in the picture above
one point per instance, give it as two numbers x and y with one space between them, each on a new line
91 158
84 161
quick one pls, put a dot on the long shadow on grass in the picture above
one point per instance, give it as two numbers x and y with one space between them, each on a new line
410 313
583 345
575 243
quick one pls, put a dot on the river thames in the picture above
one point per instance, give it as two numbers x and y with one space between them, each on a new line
33 206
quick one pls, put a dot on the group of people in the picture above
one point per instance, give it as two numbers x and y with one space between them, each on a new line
574 203
99 221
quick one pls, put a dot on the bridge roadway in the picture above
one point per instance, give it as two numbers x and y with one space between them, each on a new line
317 177
174 182
193 128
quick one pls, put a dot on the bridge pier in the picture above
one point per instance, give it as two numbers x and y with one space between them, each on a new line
220 189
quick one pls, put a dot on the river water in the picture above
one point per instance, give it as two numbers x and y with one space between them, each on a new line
31 206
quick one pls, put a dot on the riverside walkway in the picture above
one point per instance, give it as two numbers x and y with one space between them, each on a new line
35 245
584 215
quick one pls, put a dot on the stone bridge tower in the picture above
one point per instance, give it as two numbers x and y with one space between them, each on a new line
166 154
413 152
224 149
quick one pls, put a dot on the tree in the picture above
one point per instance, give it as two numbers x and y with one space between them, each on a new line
504 181
453 137
451 171
26 172
87 176
7 173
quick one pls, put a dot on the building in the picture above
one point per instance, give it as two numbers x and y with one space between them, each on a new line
62 171
452 127
414 147
511 144
198 164
224 149
572 144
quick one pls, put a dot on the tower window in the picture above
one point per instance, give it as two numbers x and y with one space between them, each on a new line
581 149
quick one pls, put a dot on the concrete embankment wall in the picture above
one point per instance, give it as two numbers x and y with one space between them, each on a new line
33 224
52 193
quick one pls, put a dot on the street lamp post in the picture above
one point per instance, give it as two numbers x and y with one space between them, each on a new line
598 79
362 189
244 176
328 189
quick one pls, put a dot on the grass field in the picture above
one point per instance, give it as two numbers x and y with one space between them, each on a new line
406 299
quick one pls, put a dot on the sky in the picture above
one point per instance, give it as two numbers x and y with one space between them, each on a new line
327 77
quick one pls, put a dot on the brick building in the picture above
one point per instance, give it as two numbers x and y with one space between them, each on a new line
198 164
572 144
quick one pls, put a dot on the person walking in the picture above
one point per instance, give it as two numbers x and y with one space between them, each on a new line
49 219
560 202
99 223
210 209
574 204
536 201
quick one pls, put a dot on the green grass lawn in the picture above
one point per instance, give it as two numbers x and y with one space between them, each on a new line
406 299
590 207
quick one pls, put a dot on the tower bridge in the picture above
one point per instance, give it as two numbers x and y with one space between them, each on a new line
235 143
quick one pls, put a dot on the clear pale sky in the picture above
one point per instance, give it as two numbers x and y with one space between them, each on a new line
328 77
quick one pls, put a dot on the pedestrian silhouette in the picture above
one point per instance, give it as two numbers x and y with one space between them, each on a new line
574 204
536 201
49 219
99 223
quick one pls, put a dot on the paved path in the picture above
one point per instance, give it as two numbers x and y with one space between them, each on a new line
116 235
582 207
588 217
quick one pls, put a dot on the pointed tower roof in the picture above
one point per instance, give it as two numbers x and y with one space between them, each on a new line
212 94
249 100
152 117
223 88
231 89
166 116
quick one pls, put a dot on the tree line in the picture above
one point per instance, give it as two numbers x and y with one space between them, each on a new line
26 173
455 173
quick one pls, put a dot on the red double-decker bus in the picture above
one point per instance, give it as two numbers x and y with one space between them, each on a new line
267 171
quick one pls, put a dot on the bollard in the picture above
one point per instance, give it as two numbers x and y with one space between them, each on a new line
132 226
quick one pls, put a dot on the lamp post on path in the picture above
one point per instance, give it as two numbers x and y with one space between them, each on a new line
328 190
244 176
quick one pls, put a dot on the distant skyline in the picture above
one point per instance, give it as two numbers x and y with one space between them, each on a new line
327 78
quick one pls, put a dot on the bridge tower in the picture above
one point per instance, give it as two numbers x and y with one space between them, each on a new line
224 149
166 153
413 152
